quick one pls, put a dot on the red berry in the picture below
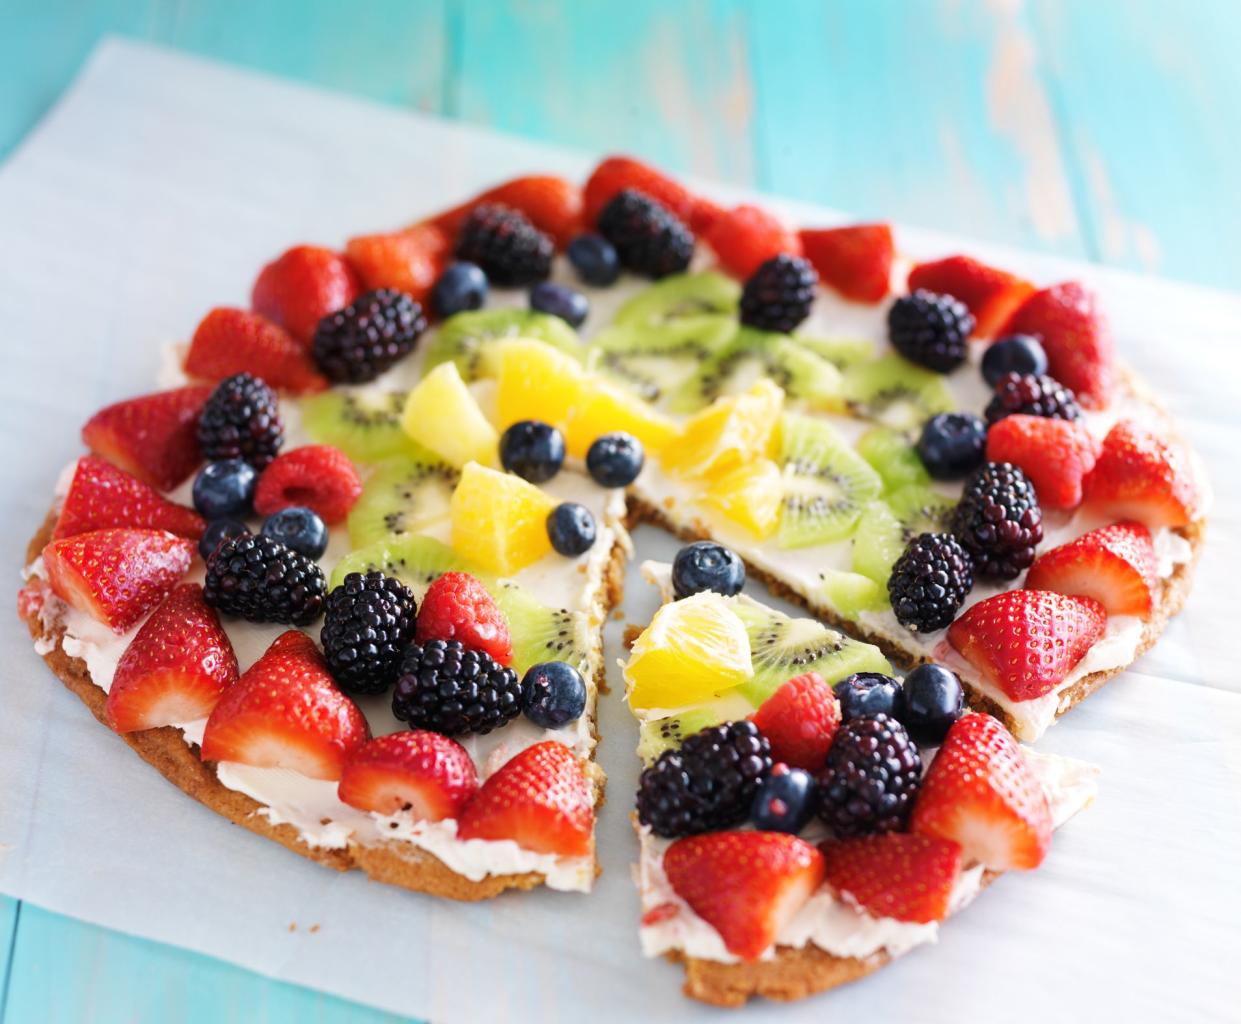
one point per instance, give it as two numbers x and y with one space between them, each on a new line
747 236
425 773
302 286
230 341
1140 475
317 476
551 204
154 437
458 607
1055 454
1114 564
617 173
856 261
799 720
102 495
989 293
895 874
409 261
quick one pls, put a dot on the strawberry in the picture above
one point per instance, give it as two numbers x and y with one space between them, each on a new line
989 293
102 495
175 667
1075 336
230 341
539 799
318 476
981 792
895 874
617 173
425 773
1055 454
154 437
409 261
1113 564
302 286
1139 475
458 607
855 260
285 712
746 236
799 720
116 576
746 885
1027 641
551 204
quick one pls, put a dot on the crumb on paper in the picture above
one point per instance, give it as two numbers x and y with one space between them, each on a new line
313 929
292 926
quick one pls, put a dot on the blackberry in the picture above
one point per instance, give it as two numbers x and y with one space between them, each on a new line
359 342
998 521
1032 395
871 778
707 783
778 295
929 582
511 250
367 624
241 420
648 238
930 329
260 579
446 687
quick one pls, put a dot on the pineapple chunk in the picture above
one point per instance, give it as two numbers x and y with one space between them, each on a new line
441 414
536 382
749 495
499 521
728 433
602 408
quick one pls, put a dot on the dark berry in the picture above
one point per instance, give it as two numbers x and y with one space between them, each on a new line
649 239
460 287
952 444
779 294
571 528
371 334
260 579
615 460
1032 395
446 687
866 694
707 783
930 329
785 801
595 260
559 300
1018 353
532 449
219 530
511 251
705 565
933 701
241 420
225 489
871 778
299 528
998 521
367 624
553 694
929 582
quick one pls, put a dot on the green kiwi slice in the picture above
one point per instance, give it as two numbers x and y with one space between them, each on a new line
887 526
840 352
681 295
413 559
652 360
404 495
365 426
660 734
539 633
851 593
894 392
893 456
466 338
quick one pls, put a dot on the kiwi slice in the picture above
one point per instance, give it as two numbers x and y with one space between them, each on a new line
539 633
826 483
404 495
887 526
892 455
660 734
840 352
681 295
653 360
365 426
895 392
466 338
851 593
413 559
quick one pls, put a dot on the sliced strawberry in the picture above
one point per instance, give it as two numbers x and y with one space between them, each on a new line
746 236
102 495
409 261
1027 641
799 720
425 773
539 799
318 476
116 576
230 341
1114 564
551 204
895 874
981 792
746 885
990 294
617 173
154 437
704 215
458 607
285 712
302 286
1055 454
854 260
1140 475
175 668
1075 336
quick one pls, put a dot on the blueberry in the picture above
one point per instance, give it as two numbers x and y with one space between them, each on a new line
866 694
785 800
225 489
615 460
553 693
532 449
594 259
933 701
460 287
219 530
952 444
571 528
705 565
1018 353
298 528
560 300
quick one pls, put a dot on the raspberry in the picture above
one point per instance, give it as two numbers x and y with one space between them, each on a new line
778 295
872 776
929 582
799 720
260 579
241 420
999 521
458 607
648 239
930 330
317 476
368 623
502 241
1032 395
446 688
361 341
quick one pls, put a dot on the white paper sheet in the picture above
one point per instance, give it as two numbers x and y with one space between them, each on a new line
154 191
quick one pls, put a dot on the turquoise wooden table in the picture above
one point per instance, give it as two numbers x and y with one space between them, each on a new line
1104 130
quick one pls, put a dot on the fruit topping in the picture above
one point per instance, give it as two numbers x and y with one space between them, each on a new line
617 173
856 260
458 607
442 415
1032 395
302 286
241 420
892 391
408 261
1140 475
561 301
472 339
871 778
615 459
1114 564
785 801
988 293
404 495
929 582
511 251
896 875
499 521
551 204
998 521
571 529
867 694
299 528
368 621
779 294
749 495
601 408
933 701
317 476
102 496
423 773
799 720
217 531
462 286
230 341
259 579
747 236
706 565
532 449
553 693
1055 455
649 239
1017 353
594 259
153 437
930 329
366 426
535 382
728 433
698 297
951 444
894 457
225 489
447 687
370 335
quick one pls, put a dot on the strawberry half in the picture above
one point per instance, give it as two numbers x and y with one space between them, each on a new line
539 799
1114 564
1139 475
175 668
425 773
116 576
746 885
856 261
551 204
458 607
989 293
799 720
896 874
230 341
1027 641
102 495
409 261
981 792
617 173
302 286
1055 454
746 236
318 476
154 437
285 712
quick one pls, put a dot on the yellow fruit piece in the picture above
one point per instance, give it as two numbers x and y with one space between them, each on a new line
602 408
693 650
499 521
729 432
749 495
441 414
535 382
